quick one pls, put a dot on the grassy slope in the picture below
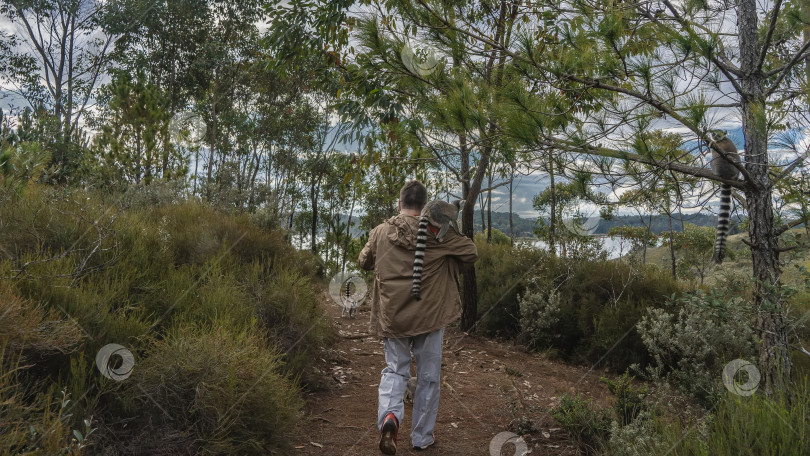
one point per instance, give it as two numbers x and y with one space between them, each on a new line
739 263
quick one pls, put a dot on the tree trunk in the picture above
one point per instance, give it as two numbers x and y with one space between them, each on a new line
313 199
489 208
213 141
348 230
774 357
806 14
511 226
469 291
483 212
553 221
672 246
645 241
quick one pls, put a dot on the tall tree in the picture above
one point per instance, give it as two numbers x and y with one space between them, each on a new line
619 69
56 61
134 122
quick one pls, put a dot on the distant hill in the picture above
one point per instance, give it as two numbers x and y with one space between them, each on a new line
524 227
660 223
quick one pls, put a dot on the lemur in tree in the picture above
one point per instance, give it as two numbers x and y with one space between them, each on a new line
724 155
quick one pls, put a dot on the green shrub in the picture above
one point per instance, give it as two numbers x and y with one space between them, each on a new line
502 273
539 314
737 426
141 276
288 311
629 398
498 238
587 311
32 333
35 421
217 390
638 438
588 424
692 337
38 425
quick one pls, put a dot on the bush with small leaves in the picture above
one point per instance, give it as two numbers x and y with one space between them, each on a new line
539 313
693 336
629 398
587 423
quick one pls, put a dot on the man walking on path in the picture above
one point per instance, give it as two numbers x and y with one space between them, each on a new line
405 323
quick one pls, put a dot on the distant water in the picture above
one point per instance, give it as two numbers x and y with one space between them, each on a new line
614 246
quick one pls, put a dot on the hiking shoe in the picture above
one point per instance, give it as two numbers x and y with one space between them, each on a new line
388 434
425 447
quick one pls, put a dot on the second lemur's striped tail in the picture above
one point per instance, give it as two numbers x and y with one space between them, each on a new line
722 223
419 256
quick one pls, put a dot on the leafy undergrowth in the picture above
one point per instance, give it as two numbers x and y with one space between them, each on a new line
219 315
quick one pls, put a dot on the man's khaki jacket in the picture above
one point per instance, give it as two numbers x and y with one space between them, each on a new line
390 253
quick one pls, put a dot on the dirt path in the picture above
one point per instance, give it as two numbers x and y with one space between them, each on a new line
486 385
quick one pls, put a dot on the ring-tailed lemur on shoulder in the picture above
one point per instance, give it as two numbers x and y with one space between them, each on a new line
722 167
441 215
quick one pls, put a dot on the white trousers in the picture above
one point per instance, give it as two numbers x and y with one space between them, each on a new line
427 349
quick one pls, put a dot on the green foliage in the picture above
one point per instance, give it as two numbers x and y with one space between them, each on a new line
737 426
502 274
587 423
22 164
540 313
132 145
638 438
498 237
588 310
40 425
36 421
696 246
629 398
639 237
217 392
563 203
179 283
691 338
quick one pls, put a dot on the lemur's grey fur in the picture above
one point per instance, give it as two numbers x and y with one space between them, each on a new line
441 215
722 167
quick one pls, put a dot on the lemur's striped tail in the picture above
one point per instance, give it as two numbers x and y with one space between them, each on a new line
722 223
419 256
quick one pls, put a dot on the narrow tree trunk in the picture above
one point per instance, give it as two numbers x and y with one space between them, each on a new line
196 167
552 226
511 226
213 141
469 291
313 199
672 246
483 212
489 208
348 230
645 241
137 156
806 14
774 357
